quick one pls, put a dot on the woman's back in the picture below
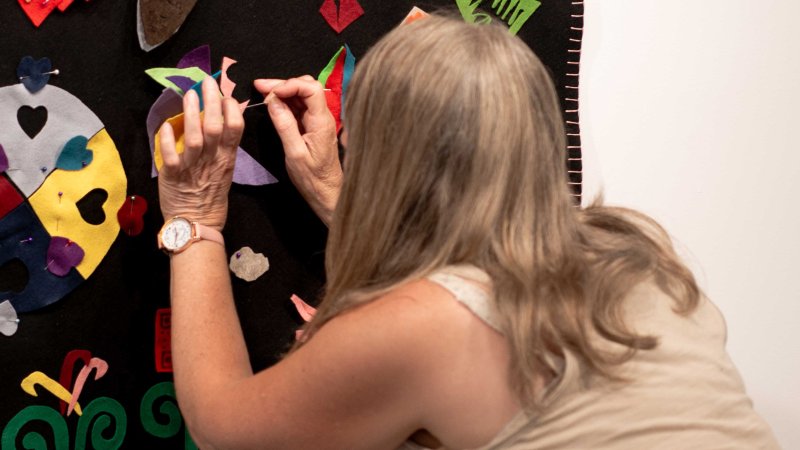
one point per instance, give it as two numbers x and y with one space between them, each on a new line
685 393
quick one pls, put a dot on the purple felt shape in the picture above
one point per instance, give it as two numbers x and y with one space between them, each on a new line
184 83
63 255
3 159
248 171
199 57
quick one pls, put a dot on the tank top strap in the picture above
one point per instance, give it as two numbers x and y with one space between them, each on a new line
471 287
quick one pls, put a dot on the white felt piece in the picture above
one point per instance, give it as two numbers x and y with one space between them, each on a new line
67 117
248 265
8 319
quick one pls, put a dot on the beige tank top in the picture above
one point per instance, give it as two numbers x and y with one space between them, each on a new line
684 394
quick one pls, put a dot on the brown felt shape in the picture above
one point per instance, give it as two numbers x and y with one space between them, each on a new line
161 18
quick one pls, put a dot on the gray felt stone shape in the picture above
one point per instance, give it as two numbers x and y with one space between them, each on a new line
67 117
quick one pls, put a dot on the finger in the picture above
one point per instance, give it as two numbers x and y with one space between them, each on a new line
307 78
170 157
265 85
234 125
310 92
212 117
192 130
286 125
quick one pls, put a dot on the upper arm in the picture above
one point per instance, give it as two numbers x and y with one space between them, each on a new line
357 383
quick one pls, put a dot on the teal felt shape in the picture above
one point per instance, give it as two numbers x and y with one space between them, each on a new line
75 155
198 87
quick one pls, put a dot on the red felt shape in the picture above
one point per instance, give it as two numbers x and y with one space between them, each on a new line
68 369
10 198
341 18
131 215
163 347
64 4
334 95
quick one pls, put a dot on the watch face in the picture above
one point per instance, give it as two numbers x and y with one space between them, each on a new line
176 234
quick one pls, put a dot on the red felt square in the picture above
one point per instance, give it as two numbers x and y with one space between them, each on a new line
10 197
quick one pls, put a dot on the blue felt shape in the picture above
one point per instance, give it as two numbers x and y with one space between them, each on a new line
34 74
198 87
75 155
183 83
23 237
199 57
349 67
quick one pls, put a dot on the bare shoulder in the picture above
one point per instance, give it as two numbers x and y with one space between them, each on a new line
456 363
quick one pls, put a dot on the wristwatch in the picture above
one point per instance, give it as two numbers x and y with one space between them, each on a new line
179 233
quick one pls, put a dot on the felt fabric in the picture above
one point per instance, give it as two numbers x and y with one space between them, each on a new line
415 14
332 77
163 340
246 170
3 159
248 265
183 83
63 255
9 322
158 20
341 17
199 57
162 74
10 198
75 155
31 160
305 310
37 378
226 86
34 73
168 104
131 215
60 215
68 369
23 237
100 368
514 13
36 11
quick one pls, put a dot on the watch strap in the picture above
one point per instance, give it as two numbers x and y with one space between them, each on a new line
207 233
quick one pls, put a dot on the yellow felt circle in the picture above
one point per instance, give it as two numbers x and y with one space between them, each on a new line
59 213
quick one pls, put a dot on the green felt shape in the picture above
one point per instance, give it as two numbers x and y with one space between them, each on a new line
75 155
169 410
326 72
33 440
97 419
160 74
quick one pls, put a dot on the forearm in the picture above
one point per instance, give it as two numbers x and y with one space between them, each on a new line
208 348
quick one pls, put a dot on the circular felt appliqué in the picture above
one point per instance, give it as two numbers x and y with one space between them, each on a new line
60 191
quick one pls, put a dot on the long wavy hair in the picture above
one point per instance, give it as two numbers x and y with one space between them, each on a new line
456 155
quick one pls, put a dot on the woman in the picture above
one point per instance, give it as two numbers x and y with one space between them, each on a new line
469 303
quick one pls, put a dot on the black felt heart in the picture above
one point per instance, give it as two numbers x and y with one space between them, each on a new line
32 120
91 206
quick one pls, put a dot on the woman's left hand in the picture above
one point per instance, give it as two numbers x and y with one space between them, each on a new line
195 183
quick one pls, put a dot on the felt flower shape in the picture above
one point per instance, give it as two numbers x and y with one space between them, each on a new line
34 73
248 265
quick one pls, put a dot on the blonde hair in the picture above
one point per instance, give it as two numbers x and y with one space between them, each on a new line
456 155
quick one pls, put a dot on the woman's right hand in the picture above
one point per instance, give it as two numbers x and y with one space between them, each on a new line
307 129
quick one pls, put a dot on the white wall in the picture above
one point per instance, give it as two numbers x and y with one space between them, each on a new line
690 112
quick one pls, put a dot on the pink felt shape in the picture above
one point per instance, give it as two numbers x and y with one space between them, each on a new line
63 255
226 86
341 18
305 310
99 366
68 367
